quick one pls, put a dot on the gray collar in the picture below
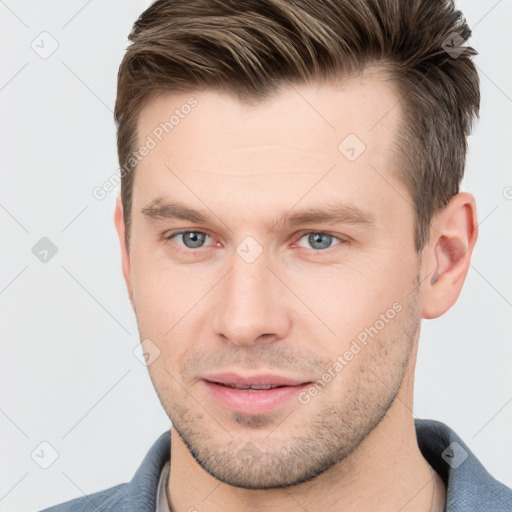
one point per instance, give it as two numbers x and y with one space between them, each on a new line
469 487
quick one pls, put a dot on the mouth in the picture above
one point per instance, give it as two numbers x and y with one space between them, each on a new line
251 387
257 394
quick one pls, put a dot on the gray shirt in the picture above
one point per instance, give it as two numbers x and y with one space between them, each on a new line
162 503
469 487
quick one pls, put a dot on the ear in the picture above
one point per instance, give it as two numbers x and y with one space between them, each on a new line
125 257
447 256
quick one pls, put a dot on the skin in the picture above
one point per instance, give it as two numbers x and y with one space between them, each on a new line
297 307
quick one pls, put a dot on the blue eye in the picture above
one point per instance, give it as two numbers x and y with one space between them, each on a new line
320 241
191 239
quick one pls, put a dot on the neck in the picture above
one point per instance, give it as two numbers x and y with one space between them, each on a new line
386 472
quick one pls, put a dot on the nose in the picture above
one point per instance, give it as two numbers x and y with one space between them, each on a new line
250 306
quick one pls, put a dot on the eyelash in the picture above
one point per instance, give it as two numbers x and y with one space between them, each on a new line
199 250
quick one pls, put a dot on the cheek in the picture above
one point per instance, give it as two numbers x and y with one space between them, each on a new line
351 296
172 303
165 293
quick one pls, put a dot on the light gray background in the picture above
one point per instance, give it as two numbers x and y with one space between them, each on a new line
68 373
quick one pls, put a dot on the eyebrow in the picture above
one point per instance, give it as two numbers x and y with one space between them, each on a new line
161 209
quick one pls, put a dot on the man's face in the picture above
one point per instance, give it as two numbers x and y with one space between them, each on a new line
256 289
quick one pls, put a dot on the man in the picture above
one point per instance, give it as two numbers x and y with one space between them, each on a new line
289 212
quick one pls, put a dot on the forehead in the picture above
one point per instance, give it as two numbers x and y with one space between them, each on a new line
317 116
289 140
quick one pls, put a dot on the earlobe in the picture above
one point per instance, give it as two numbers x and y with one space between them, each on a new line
453 237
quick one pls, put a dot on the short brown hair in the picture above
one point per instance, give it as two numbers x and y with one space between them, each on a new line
252 47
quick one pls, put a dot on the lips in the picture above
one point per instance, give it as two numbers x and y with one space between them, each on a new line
261 381
255 394
253 387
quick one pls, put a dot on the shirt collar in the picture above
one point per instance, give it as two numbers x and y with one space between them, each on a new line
469 486
162 503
